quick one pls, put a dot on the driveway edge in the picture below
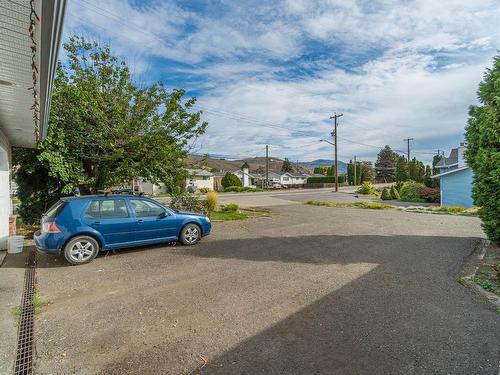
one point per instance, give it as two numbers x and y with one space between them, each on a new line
470 268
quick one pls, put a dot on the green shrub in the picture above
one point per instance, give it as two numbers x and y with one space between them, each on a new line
230 179
240 189
230 207
394 193
188 202
411 191
367 188
325 180
204 190
452 209
386 195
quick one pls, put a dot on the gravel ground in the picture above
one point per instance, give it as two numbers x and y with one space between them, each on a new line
311 290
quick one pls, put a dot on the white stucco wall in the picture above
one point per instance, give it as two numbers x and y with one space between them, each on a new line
153 189
5 201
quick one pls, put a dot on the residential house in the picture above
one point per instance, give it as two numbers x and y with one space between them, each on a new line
26 61
248 179
455 178
147 187
199 179
292 178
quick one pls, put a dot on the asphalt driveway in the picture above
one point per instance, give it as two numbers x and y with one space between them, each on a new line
309 290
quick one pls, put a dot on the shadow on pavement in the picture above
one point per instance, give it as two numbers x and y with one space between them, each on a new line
406 316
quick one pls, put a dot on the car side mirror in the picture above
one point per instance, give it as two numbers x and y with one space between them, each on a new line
163 215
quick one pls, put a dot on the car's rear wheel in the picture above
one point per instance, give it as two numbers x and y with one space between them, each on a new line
81 250
190 234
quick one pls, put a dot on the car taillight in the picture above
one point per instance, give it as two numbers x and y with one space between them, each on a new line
50 227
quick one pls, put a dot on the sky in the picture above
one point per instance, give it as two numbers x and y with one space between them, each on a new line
274 72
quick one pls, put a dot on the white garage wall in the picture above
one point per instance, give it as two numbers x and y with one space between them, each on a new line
5 201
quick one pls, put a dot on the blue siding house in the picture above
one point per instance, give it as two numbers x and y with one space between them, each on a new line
455 179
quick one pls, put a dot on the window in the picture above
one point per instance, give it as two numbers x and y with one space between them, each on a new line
55 209
286 178
144 208
107 209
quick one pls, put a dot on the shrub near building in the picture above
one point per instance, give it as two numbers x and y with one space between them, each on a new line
325 180
230 179
411 191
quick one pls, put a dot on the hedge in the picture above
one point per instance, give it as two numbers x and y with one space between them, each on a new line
325 180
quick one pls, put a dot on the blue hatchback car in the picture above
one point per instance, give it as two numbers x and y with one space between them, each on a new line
81 226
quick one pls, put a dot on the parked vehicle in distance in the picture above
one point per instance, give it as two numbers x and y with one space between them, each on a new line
80 227
277 186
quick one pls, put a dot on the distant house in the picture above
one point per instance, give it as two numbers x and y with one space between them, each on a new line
455 178
147 187
291 178
199 179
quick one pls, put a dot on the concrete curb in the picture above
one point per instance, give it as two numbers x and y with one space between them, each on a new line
471 267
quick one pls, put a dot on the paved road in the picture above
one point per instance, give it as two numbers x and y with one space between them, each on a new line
311 290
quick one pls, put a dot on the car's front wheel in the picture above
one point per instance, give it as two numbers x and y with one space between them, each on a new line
190 234
81 250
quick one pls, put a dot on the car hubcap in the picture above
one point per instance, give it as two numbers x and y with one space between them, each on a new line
81 251
191 234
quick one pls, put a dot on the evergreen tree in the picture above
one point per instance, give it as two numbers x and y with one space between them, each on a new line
386 164
286 166
401 169
483 150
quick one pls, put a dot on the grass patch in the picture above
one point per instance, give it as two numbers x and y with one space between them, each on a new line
488 274
236 215
37 307
368 205
447 210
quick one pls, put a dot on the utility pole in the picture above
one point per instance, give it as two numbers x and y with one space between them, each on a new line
334 133
267 166
355 167
407 140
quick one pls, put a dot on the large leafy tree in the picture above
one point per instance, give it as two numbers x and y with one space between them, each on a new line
385 165
483 150
104 129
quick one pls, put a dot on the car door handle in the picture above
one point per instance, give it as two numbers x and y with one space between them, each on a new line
140 221
96 223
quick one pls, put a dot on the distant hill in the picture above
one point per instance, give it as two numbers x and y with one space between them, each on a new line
256 164
310 165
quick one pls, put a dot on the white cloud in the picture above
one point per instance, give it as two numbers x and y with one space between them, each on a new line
394 68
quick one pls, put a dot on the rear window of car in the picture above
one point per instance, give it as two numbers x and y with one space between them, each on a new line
107 209
144 208
55 209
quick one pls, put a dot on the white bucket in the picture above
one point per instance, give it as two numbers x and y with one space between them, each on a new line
15 244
